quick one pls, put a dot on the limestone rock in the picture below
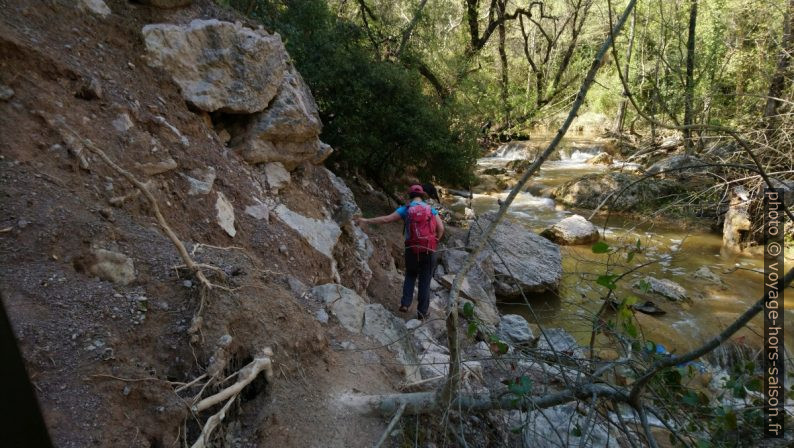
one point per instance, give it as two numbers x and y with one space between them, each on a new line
166 3
291 117
534 264
111 266
277 176
590 190
668 289
514 328
553 427
706 274
561 341
737 221
289 154
258 211
673 165
391 331
572 230
225 215
154 168
601 158
200 180
122 123
344 304
220 66
97 7
320 234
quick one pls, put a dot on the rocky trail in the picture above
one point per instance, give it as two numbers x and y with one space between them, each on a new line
180 266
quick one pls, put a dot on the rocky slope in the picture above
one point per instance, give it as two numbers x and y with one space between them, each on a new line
213 119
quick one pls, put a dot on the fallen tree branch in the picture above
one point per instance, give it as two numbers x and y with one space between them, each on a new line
428 402
391 425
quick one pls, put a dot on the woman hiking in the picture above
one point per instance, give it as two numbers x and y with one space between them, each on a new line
423 230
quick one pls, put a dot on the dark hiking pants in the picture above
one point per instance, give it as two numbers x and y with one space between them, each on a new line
422 266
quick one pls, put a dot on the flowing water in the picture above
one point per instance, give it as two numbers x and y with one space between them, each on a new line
677 250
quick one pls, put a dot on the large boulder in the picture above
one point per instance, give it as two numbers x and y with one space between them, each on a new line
292 117
571 231
477 285
289 154
514 328
347 306
220 66
602 158
390 331
524 261
590 190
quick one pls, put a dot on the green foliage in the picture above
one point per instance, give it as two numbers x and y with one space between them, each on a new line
375 113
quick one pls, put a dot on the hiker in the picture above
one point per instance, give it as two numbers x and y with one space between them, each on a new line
423 230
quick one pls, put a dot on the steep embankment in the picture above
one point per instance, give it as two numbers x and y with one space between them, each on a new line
107 317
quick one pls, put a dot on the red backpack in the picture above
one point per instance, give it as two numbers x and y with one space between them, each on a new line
421 229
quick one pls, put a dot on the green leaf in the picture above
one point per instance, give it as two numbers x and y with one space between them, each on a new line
703 443
517 430
730 420
468 310
522 386
755 385
690 399
630 300
600 248
631 330
630 256
644 285
607 280
501 346
639 243
472 329
577 431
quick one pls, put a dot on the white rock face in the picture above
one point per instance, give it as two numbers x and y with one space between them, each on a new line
391 331
571 231
514 328
291 154
292 117
123 123
220 66
344 304
668 289
225 215
97 7
277 176
320 234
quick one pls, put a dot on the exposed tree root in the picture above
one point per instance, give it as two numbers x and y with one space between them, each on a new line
246 376
211 424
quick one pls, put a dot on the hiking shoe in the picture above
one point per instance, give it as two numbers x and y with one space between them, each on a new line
403 308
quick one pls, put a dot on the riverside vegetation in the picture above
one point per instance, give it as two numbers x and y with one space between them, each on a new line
181 267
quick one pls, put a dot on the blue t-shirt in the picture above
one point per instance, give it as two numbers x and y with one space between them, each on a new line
403 212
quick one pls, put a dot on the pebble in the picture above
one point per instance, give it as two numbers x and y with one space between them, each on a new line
187 284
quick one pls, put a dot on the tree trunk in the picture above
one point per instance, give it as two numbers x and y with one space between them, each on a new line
503 60
690 79
780 79
624 103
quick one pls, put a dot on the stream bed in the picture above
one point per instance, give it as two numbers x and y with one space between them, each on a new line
676 251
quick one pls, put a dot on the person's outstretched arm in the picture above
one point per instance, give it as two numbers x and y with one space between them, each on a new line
379 220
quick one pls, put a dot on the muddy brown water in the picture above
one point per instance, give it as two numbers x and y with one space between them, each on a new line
674 250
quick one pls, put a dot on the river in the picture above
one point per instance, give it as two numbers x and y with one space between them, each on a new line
678 251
